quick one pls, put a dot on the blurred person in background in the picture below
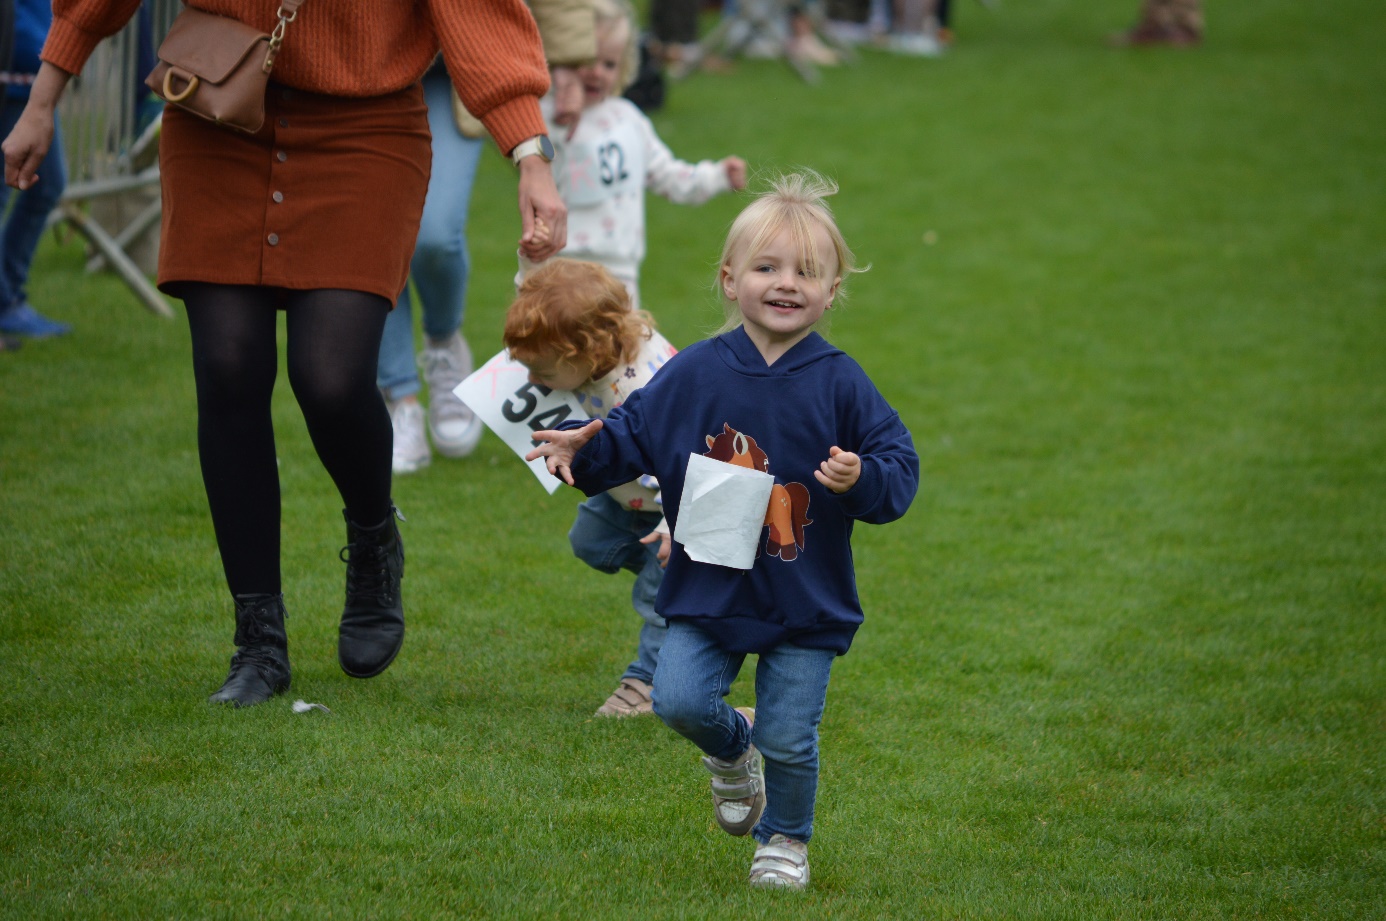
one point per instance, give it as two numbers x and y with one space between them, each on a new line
1174 23
22 33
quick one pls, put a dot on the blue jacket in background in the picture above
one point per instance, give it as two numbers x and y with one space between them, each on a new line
32 20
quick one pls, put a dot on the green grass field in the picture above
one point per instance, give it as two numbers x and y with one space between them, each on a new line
1124 658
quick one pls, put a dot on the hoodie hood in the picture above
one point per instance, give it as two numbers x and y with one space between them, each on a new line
741 355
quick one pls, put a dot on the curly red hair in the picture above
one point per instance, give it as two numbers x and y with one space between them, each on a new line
577 312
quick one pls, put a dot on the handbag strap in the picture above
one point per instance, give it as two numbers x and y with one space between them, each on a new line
287 13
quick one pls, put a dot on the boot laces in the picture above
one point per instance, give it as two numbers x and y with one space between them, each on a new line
368 571
260 658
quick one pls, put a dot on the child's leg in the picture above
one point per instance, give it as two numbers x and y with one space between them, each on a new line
606 537
791 689
642 598
603 536
693 677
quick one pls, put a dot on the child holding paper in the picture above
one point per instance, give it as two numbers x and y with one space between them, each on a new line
771 394
572 326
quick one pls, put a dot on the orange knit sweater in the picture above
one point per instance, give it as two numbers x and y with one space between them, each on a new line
367 48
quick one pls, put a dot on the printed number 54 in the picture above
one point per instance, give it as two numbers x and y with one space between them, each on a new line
520 408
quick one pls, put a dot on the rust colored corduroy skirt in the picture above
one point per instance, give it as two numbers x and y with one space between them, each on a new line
328 194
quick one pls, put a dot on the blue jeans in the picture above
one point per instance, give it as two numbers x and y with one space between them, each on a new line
695 675
440 265
606 537
19 236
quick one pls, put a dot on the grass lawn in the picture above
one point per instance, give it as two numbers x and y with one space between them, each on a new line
1124 658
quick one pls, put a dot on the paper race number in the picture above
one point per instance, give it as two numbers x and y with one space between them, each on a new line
501 395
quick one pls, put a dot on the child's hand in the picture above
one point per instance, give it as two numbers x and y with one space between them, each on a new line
666 544
735 168
567 98
840 471
562 447
538 240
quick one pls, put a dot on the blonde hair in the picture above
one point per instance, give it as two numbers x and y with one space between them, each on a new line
578 313
608 13
794 202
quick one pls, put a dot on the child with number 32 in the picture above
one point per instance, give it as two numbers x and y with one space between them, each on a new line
613 155
771 394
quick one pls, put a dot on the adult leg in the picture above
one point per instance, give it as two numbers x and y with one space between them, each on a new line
22 229
333 347
440 270
791 689
235 362
397 375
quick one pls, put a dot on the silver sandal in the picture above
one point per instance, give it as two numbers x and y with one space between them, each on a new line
780 863
738 787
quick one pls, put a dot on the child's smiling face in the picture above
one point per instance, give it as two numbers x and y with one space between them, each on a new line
600 78
780 297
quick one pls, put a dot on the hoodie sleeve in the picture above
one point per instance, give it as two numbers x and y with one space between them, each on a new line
617 454
889 474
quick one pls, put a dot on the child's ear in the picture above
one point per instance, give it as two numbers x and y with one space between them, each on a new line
832 292
728 283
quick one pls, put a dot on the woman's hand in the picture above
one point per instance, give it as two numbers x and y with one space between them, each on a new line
32 136
542 212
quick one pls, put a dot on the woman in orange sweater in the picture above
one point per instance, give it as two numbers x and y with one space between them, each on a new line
316 215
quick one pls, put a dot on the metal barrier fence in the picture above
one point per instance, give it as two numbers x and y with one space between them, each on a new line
108 160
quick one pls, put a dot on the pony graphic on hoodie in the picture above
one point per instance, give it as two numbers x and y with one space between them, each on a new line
787 515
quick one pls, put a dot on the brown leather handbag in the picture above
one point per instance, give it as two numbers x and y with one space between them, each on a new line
218 68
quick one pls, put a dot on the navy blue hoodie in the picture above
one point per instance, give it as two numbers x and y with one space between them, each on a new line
719 398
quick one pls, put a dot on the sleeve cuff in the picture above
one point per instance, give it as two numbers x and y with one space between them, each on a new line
515 121
68 46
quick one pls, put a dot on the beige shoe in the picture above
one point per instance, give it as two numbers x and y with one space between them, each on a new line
632 698
738 787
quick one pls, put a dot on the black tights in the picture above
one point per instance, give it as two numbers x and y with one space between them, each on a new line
333 347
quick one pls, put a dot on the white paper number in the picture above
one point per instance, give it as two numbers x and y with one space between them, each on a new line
500 393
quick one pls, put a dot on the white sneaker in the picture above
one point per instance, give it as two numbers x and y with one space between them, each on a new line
455 429
916 44
411 447
780 863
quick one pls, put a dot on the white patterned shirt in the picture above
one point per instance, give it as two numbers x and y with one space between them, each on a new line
602 173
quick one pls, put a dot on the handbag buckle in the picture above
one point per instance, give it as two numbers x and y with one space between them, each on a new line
277 36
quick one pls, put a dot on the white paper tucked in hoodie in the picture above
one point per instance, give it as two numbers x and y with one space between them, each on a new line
722 512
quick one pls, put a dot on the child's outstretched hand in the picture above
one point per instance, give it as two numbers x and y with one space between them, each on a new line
561 447
735 168
840 471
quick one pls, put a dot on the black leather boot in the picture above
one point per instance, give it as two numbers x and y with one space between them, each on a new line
372 629
260 667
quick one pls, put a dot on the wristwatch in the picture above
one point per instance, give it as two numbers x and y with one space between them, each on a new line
538 146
